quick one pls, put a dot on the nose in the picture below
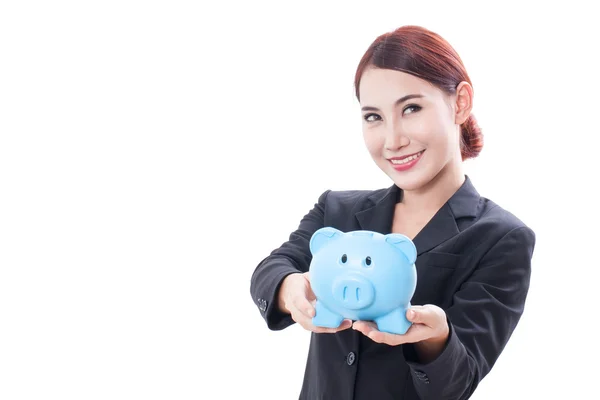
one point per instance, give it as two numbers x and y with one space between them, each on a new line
395 139
353 292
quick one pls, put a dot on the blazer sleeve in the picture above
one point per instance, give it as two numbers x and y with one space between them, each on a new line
293 256
482 318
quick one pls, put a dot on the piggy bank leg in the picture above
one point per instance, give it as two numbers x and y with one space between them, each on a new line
394 322
326 318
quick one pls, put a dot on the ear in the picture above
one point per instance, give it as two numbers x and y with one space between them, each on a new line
323 236
464 103
404 244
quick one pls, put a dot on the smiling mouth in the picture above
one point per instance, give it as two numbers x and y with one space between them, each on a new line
398 161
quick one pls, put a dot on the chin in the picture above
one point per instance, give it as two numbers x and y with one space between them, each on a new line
410 180
410 184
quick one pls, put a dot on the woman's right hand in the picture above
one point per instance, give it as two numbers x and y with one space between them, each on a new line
297 298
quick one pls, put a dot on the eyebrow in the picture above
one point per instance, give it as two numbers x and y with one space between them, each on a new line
398 102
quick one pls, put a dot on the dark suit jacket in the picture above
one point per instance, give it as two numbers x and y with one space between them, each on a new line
474 261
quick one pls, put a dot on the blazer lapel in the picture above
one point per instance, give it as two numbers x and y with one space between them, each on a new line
439 229
443 225
379 216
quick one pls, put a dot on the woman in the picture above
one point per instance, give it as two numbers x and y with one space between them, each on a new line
474 257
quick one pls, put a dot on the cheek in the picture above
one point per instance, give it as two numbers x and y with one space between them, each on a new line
428 130
373 141
421 127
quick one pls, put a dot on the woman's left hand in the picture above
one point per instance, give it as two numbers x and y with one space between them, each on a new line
429 325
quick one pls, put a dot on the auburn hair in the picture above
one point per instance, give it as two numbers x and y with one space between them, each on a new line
426 55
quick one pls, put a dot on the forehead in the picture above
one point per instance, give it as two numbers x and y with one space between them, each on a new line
381 86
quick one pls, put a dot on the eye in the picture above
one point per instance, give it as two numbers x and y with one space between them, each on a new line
344 258
372 117
368 261
410 109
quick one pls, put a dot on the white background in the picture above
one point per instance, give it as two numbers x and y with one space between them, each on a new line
152 153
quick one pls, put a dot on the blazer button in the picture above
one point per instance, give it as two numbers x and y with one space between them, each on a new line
350 358
422 376
262 304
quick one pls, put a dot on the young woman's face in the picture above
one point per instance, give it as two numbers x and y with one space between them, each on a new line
409 126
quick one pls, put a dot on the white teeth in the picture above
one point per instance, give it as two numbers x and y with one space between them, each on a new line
407 159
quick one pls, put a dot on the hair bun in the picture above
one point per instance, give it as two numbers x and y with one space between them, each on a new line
471 138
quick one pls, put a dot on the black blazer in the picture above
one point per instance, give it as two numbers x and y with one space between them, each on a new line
474 261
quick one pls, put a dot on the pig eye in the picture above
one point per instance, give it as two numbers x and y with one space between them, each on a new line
344 258
368 261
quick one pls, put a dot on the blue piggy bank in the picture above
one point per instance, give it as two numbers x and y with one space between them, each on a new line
362 275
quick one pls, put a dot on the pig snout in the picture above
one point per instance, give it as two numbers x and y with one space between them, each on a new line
353 292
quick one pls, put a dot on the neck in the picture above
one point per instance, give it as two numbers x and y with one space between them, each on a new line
434 194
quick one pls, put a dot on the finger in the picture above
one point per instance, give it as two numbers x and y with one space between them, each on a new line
427 315
300 314
345 324
370 330
309 326
415 333
303 306
302 320
419 315
365 327
310 295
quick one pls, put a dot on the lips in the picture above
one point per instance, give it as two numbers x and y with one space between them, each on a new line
405 159
405 163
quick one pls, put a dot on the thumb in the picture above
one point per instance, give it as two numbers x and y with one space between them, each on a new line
307 287
415 315
310 295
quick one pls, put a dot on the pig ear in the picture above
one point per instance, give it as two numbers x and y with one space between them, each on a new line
322 236
404 244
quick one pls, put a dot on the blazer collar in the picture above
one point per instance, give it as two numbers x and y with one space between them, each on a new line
379 215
